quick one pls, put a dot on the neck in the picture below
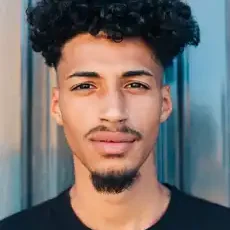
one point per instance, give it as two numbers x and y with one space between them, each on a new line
136 208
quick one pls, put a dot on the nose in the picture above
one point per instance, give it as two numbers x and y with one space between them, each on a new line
113 108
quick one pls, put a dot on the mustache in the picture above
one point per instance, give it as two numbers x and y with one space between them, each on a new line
121 129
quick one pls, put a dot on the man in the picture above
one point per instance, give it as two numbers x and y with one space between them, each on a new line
110 57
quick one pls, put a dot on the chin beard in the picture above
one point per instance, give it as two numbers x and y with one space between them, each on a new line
114 182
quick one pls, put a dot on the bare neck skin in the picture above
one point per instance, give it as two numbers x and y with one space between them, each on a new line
136 209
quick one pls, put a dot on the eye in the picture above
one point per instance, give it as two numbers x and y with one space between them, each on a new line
84 86
137 85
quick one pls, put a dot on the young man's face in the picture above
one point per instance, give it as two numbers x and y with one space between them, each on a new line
113 87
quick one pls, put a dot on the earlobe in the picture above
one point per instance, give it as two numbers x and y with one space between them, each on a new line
164 116
166 108
55 108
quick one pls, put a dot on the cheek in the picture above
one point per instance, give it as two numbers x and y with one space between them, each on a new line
76 109
82 114
145 112
78 117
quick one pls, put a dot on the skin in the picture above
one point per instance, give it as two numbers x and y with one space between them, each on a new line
112 100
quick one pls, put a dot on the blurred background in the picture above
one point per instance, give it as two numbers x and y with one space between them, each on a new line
193 147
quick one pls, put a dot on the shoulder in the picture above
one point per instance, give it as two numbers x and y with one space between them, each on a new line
29 219
38 217
200 212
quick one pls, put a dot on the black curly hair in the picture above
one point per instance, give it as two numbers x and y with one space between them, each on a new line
167 26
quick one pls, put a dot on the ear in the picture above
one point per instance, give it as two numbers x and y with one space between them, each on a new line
55 107
166 108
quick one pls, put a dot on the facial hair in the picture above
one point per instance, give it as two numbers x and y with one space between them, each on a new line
114 182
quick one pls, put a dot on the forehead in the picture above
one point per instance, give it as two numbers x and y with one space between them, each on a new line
87 52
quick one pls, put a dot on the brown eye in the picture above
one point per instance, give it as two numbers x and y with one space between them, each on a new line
84 86
136 85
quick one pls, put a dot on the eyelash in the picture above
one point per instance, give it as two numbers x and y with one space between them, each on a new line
84 84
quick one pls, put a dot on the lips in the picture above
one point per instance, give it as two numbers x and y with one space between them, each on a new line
115 137
112 143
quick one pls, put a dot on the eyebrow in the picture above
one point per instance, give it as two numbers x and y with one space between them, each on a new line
127 74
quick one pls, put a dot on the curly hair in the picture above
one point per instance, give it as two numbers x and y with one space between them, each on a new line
167 26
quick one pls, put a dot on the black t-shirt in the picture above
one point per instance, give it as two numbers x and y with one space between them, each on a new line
184 213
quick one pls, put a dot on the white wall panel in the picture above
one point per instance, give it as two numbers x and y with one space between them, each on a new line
10 107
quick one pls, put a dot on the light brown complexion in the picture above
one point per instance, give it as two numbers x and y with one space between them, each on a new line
103 83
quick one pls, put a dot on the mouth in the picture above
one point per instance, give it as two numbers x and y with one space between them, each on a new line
109 143
112 148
